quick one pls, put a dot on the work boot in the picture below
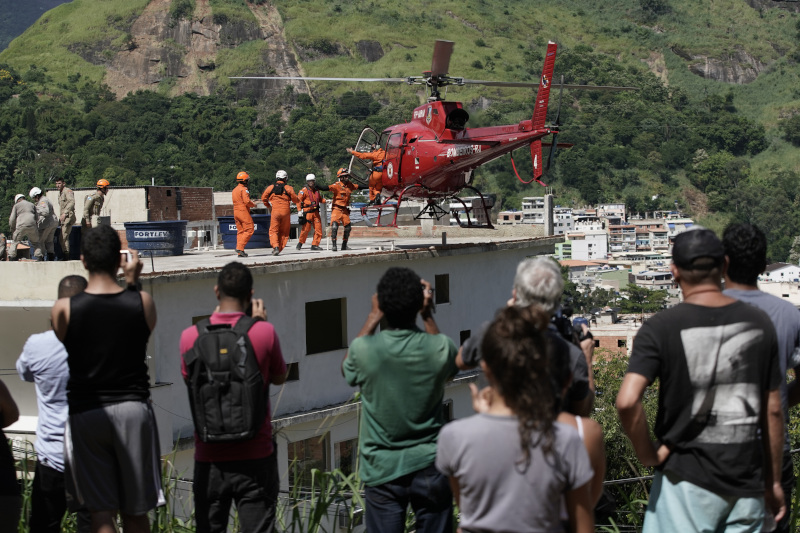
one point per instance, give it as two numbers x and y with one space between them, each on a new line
275 251
241 253
315 247
344 246
299 245
334 246
51 257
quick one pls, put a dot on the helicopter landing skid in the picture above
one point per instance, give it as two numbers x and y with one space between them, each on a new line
386 205
431 211
467 209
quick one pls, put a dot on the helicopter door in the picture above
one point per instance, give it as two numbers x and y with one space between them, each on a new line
360 169
394 152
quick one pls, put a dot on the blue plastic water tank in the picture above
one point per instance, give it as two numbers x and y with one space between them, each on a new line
260 238
159 238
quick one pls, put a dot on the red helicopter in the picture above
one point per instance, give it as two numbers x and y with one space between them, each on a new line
433 156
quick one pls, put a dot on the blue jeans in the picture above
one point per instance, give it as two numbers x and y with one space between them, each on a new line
428 492
677 505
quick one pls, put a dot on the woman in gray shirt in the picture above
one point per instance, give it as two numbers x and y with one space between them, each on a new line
510 465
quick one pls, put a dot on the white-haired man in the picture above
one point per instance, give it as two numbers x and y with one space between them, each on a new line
538 283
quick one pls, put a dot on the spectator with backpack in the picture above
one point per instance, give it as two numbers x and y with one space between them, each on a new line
234 455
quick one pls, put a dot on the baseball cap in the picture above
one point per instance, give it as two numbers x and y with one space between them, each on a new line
694 244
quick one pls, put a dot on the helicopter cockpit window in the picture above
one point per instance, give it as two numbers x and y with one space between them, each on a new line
457 119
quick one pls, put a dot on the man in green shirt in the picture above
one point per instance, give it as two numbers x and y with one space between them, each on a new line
402 372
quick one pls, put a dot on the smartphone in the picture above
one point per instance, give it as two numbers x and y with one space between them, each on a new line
127 255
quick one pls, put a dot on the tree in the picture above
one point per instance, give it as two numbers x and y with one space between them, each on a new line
791 129
642 300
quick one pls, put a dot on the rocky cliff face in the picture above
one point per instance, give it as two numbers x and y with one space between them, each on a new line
739 66
183 53
791 6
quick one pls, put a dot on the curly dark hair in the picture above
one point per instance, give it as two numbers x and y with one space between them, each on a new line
235 281
400 296
746 248
100 249
515 350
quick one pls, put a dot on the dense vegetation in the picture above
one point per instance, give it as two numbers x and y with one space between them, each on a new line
719 151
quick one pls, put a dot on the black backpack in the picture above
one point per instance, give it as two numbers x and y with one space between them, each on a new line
227 393
279 188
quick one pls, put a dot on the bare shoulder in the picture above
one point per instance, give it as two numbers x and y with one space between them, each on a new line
592 429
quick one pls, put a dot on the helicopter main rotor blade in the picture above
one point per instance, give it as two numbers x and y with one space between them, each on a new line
442 51
535 85
385 80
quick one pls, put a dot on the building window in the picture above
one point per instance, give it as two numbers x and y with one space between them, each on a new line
621 343
304 456
442 285
785 295
447 411
326 325
464 334
293 372
344 456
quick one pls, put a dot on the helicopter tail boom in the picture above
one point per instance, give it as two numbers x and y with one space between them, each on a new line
543 94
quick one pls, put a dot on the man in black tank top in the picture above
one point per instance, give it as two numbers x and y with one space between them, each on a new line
105 330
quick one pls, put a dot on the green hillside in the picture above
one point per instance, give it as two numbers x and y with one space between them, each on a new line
720 150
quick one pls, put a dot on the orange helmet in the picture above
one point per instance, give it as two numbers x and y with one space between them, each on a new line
242 177
342 173
101 184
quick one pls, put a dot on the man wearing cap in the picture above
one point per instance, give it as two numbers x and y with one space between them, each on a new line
716 360
23 224
93 204
310 201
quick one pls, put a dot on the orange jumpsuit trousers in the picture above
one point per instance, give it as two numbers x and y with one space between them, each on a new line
241 215
311 202
280 217
376 176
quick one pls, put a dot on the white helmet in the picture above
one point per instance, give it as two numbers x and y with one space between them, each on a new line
17 197
310 177
281 175
36 191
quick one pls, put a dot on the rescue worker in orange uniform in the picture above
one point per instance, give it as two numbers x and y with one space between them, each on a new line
279 196
377 155
340 214
241 213
310 201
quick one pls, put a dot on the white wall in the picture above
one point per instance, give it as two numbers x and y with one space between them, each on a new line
122 205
